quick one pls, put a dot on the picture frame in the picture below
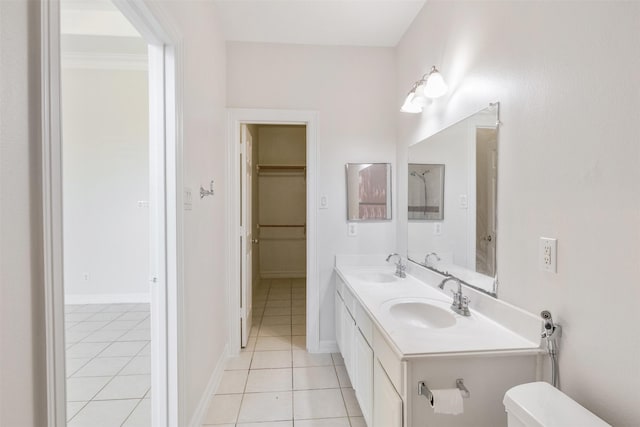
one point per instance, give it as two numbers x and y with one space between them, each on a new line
368 191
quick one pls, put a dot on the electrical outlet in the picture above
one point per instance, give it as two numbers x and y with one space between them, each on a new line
85 277
352 229
437 228
324 202
548 249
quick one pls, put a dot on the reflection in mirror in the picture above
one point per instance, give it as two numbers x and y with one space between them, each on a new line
452 182
368 191
426 192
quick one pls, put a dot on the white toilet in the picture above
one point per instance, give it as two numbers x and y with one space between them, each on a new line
540 404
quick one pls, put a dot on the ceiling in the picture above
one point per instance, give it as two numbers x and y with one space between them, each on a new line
318 22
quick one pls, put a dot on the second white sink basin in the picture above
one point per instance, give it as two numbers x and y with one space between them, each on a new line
420 312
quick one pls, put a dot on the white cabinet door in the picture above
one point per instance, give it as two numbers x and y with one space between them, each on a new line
363 384
348 341
338 312
387 404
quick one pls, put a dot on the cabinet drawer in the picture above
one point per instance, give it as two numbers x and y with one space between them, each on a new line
364 324
392 365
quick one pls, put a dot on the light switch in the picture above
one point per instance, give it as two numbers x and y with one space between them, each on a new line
463 202
352 229
188 199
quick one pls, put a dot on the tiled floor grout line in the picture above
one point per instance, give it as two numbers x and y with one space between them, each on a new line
97 356
265 297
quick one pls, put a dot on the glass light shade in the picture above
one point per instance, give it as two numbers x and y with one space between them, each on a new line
408 106
419 100
435 86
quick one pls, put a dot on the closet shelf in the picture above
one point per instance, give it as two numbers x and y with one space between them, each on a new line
281 167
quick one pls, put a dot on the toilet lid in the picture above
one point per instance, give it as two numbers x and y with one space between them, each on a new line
542 405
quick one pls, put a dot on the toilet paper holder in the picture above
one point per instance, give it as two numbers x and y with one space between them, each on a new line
423 390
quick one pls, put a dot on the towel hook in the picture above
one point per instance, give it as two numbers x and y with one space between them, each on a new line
204 192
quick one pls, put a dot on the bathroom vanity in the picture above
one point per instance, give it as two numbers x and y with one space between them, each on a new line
396 332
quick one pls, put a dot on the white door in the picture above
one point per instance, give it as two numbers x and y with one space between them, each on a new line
246 238
486 179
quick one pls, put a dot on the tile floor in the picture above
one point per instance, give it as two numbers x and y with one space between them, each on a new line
275 382
108 365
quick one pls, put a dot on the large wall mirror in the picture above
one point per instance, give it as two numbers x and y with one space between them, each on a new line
452 215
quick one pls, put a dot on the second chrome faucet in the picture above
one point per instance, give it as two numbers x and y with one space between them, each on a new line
460 302
401 269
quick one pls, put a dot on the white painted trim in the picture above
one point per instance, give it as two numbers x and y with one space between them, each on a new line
212 386
105 61
168 400
235 117
108 299
52 212
328 347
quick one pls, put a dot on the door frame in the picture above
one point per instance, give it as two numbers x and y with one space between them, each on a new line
165 118
236 117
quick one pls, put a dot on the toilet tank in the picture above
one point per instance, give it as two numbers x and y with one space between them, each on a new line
539 404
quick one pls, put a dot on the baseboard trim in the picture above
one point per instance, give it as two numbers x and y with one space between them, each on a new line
329 346
212 386
108 299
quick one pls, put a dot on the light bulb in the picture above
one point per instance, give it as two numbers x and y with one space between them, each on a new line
408 106
435 86
419 100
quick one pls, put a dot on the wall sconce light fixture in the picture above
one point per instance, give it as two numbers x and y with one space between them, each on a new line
431 85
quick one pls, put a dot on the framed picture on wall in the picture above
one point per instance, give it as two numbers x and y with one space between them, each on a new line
368 191
426 192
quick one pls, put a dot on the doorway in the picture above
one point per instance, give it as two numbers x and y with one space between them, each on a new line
106 217
273 201
161 280
284 252
486 187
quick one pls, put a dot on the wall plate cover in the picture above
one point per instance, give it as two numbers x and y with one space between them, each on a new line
547 254
188 199
324 202
352 229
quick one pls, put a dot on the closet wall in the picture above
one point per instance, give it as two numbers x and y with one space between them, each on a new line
282 201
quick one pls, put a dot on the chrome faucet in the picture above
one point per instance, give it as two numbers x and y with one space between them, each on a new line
429 255
460 302
401 269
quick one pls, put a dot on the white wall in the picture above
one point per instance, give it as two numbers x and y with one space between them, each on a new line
205 275
106 172
352 90
22 344
566 74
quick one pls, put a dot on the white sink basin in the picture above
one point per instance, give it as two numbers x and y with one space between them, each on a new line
376 277
420 313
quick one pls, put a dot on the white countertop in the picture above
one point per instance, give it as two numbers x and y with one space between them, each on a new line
470 335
